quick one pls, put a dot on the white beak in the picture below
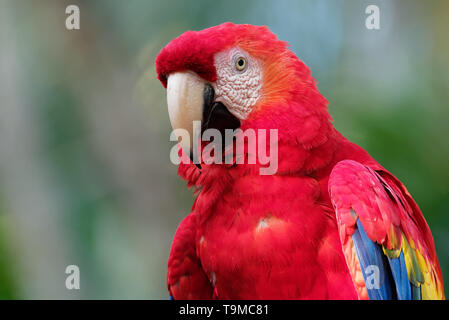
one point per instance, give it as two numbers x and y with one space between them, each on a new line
185 101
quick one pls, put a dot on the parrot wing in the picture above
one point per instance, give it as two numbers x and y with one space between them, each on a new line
186 279
387 244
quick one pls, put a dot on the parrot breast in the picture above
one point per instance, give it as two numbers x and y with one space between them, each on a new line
266 239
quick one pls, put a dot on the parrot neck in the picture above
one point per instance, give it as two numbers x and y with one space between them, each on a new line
307 143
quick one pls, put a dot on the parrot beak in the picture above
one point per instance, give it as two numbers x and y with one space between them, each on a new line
190 99
185 104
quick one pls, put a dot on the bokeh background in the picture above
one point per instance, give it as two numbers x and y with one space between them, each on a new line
85 176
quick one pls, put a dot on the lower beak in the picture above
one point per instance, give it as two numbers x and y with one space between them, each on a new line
191 99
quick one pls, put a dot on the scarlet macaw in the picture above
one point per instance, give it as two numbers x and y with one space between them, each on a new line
323 225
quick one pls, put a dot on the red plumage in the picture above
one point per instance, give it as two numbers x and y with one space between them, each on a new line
252 236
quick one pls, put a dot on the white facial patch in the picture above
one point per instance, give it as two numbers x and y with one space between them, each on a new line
238 90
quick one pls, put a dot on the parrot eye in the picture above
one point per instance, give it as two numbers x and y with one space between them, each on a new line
240 64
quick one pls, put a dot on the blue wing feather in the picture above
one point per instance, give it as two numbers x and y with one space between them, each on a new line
393 278
399 272
416 293
371 255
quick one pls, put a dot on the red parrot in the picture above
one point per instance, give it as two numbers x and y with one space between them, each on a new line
330 223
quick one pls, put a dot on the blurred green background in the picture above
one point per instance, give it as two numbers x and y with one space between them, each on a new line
85 176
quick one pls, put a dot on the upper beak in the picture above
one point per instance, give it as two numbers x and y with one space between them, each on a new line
191 99
185 104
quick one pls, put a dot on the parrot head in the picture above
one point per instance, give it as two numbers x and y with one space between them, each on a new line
240 76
